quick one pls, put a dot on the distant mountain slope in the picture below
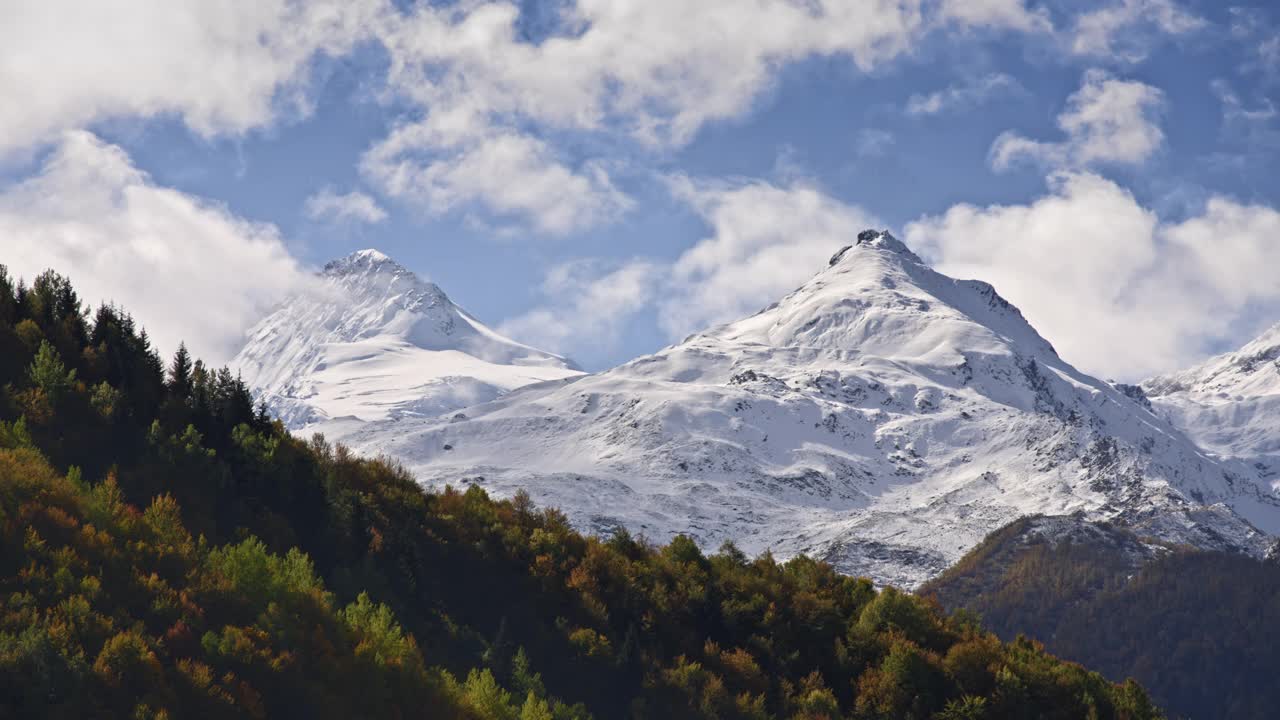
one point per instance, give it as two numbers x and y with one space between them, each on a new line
1229 404
1201 630
373 341
883 416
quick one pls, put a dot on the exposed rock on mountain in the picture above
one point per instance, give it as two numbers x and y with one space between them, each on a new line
883 416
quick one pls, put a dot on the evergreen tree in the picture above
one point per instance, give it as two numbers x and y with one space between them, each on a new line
223 568
8 304
180 374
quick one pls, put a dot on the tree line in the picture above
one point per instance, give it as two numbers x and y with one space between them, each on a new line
168 550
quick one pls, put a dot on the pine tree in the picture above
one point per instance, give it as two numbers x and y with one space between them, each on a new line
7 302
180 374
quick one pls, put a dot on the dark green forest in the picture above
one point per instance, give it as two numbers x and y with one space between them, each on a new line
167 550
1200 630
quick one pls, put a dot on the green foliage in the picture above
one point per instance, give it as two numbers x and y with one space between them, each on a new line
381 636
1199 630
964 708
251 573
49 373
165 551
893 611
535 708
486 697
14 435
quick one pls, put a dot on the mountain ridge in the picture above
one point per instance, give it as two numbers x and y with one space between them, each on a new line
1229 404
370 340
882 416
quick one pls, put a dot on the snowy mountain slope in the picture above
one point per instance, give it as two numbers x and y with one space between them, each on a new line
373 342
1230 404
883 416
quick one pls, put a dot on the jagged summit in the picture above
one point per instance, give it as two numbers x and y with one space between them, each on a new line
883 416
370 262
371 255
879 297
373 340
878 239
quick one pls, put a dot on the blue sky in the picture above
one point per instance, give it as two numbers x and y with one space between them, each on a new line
600 177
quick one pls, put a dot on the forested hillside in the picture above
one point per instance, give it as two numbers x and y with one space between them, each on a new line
168 551
1200 630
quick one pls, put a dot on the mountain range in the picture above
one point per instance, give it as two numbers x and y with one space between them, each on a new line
883 416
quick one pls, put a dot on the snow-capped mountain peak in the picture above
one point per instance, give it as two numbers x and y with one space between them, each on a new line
372 341
370 256
1252 370
1229 404
882 415
880 297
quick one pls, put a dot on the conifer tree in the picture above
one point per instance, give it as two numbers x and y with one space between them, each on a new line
7 301
180 373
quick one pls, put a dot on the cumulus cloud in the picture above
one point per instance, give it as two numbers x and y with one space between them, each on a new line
766 240
1126 30
186 268
968 94
1118 290
354 206
494 87
1012 14
512 175
588 304
222 67
1106 121
649 72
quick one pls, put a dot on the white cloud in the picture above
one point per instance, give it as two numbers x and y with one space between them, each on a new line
767 240
1249 137
1254 31
353 206
1234 110
1119 291
1012 14
512 175
589 304
968 94
1253 128
187 269
222 67
1106 121
873 142
649 72
1126 30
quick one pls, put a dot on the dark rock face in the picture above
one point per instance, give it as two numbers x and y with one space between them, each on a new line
1135 393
